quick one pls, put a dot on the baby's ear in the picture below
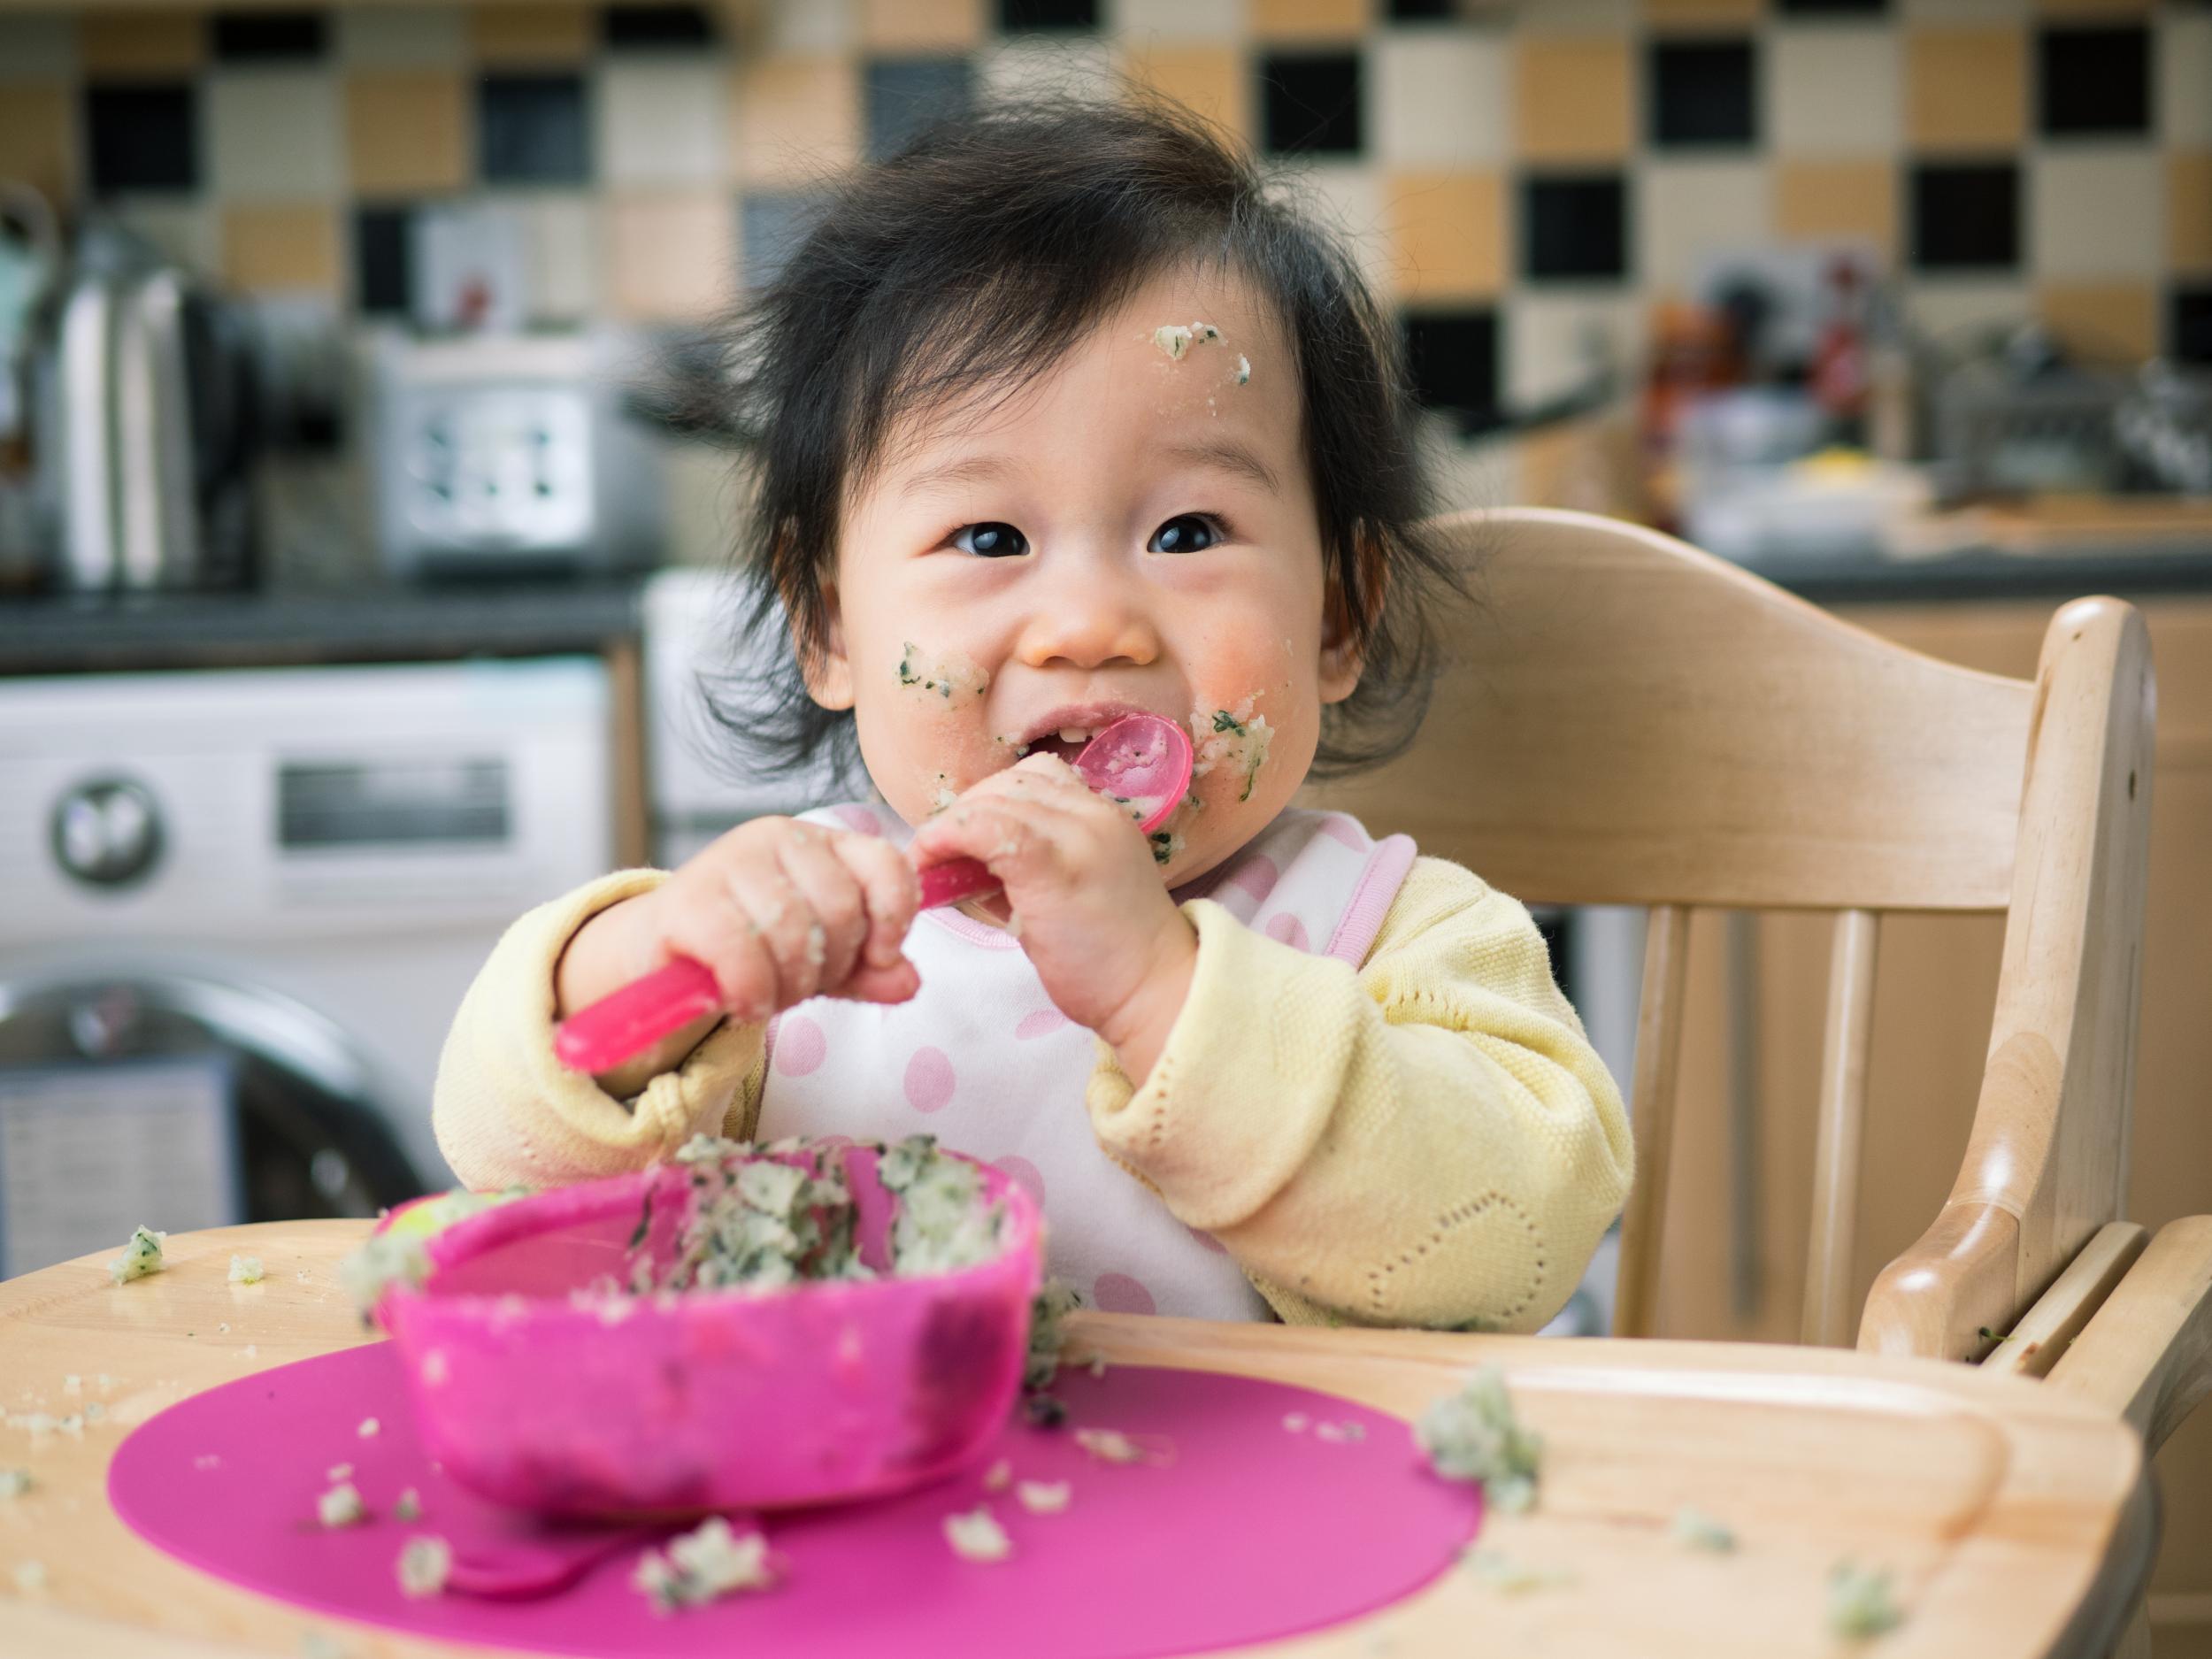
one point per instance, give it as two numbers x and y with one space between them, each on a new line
824 666
1344 644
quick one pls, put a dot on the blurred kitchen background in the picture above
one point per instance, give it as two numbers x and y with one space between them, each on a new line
353 598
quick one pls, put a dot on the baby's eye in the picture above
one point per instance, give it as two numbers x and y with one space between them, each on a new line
991 541
1185 533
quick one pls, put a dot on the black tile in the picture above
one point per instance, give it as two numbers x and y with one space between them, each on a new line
1832 8
1423 10
1452 359
770 226
2093 80
655 28
1703 92
1574 226
270 37
533 129
144 137
1966 216
383 261
1016 16
2189 336
908 96
1310 103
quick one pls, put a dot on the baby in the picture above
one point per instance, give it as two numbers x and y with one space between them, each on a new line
1056 417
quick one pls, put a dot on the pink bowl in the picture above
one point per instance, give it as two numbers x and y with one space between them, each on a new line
712 1399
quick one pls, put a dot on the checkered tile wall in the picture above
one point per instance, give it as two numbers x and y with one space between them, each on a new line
1519 176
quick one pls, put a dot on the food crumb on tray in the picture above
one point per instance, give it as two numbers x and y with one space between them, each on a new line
1473 1435
977 1536
14 1482
141 1257
245 1270
341 1506
423 1564
703 1565
1044 1497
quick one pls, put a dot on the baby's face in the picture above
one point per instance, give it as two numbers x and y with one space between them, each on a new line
1134 532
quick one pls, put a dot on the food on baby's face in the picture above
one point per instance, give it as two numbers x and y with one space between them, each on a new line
141 1257
703 1565
1235 739
949 676
1472 1435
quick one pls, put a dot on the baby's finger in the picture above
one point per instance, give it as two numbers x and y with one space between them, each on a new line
838 925
716 930
895 984
784 922
892 893
1012 837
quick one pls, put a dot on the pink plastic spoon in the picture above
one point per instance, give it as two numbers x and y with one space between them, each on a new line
1140 760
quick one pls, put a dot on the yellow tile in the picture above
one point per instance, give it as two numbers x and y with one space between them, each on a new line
1447 234
1850 201
407 131
1572 99
1273 20
1702 13
537 34
1209 79
141 44
671 256
282 246
794 119
1965 88
2189 212
37 138
2109 320
908 24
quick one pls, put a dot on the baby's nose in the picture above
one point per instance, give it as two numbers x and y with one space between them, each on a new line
1089 622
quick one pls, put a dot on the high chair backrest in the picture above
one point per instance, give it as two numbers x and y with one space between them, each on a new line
1626 721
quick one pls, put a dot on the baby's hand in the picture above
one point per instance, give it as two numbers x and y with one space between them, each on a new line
1112 950
776 910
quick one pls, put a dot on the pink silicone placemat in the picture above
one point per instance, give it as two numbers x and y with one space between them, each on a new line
1252 1531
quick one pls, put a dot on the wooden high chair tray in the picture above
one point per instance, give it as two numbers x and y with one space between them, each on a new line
2016 1521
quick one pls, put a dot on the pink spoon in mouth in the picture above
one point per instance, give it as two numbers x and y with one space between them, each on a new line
1141 760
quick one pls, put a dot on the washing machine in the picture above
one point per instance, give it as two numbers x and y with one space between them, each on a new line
237 911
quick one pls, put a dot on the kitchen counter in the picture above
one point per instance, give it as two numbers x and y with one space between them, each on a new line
77 633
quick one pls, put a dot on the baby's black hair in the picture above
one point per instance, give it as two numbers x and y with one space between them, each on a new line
972 261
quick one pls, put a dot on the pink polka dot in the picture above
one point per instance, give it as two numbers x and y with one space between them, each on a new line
1043 1022
1256 875
800 1045
1208 1240
929 1080
1118 1292
861 818
1286 929
1026 1176
1337 827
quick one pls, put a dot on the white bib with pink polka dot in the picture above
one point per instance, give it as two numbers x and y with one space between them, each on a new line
981 1059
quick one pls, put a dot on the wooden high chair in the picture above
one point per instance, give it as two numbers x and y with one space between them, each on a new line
1634 722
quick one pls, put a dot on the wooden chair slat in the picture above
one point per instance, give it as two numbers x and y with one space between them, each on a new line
1651 1107
1829 1318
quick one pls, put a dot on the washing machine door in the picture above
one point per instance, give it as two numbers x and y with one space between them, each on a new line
177 1101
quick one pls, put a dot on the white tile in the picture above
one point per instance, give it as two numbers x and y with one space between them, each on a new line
37 48
1956 310
1181 19
2184 47
811 25
1555 343
1833 90
561 232
1441 99
402 37
273 135
662 123
2096 213
1039 65
1687 211
187 232
1348 200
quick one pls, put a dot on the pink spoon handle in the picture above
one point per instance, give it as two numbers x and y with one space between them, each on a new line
603 1036
955 880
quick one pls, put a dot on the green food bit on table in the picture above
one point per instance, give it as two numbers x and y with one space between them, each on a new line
1860 1601
141 1257
1501 1572
1695 1530
245 1270
1472 1435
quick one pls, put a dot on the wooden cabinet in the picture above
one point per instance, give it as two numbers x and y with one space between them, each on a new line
1735 1250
